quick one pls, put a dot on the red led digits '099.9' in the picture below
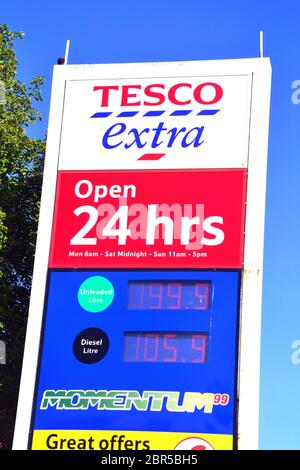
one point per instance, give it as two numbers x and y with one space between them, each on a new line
168 295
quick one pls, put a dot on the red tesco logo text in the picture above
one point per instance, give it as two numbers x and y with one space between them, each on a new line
157 93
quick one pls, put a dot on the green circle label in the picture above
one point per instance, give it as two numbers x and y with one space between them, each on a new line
95 294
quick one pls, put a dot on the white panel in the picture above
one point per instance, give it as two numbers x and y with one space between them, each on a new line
202 141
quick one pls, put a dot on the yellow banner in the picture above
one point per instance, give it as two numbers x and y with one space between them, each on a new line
128 440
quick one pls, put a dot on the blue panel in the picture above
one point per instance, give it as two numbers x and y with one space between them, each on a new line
61 370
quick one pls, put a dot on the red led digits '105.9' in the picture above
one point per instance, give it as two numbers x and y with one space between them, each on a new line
165 347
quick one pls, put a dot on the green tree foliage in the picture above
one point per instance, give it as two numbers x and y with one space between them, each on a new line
21 166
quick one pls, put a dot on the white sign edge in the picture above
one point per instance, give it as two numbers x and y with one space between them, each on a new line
40 270
251 282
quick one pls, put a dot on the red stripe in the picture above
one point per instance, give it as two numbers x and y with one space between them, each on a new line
151 156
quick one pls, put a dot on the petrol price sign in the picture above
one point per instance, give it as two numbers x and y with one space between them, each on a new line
148 260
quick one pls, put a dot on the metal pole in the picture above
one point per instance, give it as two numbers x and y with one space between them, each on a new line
67 51
261 44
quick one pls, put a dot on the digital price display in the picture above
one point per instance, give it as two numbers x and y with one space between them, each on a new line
165 347
155 352
169 295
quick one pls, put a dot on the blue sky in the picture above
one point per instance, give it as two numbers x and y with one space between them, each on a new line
165 30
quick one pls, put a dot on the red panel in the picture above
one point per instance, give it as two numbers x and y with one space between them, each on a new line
214 198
